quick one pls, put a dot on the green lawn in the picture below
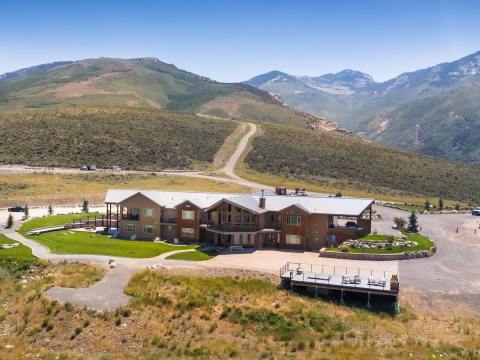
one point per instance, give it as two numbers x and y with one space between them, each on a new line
79 242
423 243
197 255
15 260
54 220
377 237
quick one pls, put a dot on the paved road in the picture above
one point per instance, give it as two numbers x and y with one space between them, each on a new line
455 268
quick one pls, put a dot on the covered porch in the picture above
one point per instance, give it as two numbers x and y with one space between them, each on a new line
344 227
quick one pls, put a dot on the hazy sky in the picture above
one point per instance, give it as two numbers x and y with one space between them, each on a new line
235 40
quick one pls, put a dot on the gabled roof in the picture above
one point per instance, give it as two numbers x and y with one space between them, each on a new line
346 206
168 199
247 202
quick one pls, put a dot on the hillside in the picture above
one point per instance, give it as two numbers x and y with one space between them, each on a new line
143 82
141 139
441 100
337 161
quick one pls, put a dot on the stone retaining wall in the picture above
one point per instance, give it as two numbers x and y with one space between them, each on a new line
378 257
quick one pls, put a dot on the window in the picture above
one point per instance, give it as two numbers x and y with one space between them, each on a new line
130 227
249 239
272 218
293 239
246 219
238 219
188 232
135 211
188 214
148 229
293 219
149 212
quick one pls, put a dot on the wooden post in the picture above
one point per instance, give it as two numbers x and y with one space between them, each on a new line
117 218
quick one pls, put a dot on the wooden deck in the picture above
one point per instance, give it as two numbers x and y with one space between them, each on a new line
325 277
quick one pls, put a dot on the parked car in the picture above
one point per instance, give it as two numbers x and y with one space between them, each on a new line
89 167
351 224
476 211
17 208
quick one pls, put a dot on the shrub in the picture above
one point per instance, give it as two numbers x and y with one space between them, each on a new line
343 248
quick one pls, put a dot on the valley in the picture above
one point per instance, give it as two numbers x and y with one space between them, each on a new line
432 111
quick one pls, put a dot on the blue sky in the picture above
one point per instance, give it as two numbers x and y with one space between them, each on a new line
235 40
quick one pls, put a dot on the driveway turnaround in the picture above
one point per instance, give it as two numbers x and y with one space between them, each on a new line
455 269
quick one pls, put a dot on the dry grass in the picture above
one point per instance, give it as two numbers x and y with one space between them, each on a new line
243 170
76 275
180 316
56 189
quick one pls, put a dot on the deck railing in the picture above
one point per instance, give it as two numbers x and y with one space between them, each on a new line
350 277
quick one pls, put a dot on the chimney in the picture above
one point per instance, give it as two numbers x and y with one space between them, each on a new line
262 202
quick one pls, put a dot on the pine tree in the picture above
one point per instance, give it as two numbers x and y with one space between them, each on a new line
9 221
412 223
26 211
427 204
457 206
440 204
50 209
85 205
338 194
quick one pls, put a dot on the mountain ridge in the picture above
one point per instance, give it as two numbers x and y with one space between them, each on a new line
144 82
376 110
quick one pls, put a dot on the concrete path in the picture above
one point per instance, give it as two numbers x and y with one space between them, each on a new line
107 294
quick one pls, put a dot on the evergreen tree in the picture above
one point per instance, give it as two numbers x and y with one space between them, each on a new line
85 206
412 222
50 209
457 206
338 194
427 204
440 204
26 211
9 221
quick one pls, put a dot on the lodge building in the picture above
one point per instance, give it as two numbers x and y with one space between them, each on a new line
259 220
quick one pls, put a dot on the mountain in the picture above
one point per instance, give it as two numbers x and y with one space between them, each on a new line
346 82
15 75
142 82
433 111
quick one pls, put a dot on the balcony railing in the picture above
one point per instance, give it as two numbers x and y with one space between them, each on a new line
233 227
130 217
